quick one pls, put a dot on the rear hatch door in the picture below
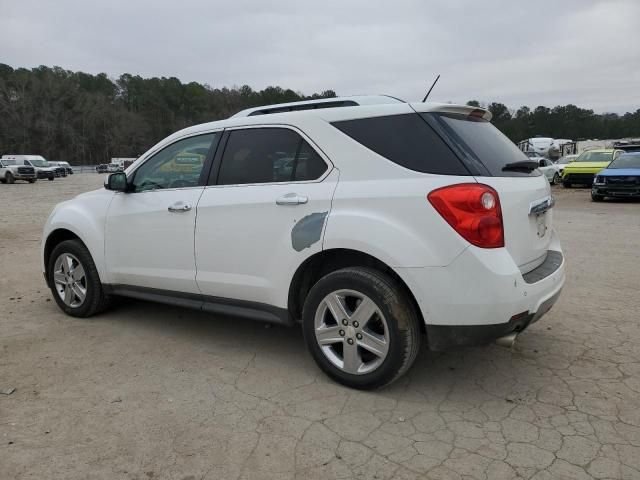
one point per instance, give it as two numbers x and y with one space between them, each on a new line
494 160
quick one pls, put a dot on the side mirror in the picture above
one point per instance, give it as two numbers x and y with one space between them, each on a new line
116 182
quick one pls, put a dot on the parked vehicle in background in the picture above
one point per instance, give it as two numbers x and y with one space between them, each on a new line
546 166
550 170
628 145
41 166
620 179
10 171
67 168
564 161
584 168
113 167
381 223
102 168
540 145
123 163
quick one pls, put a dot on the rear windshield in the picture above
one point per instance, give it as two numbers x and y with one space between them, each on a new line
483 148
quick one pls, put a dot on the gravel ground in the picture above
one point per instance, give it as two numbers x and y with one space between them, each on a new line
147 391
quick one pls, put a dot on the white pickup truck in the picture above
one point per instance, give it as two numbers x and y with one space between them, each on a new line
10 171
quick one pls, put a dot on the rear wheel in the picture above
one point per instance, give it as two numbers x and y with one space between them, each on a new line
74 280
9 178
361 327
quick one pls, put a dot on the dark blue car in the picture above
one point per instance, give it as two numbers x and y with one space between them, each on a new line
620 179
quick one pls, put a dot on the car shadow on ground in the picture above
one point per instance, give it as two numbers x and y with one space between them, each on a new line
472 375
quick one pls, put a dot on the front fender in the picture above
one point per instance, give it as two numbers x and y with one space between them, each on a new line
84 216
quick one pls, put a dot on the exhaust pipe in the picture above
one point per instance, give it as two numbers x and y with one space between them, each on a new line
508 340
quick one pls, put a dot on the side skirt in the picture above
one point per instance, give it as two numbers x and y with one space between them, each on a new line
217 305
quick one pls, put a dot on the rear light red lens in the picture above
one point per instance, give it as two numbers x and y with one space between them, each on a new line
473 210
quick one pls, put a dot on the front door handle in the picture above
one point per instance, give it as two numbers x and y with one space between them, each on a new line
291 199
179 207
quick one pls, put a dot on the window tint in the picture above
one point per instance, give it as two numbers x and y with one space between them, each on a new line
406 140
177 166
266 155
482 146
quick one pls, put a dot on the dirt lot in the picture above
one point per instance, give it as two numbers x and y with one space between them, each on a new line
148 391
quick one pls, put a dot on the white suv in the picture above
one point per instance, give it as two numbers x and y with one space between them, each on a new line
375 223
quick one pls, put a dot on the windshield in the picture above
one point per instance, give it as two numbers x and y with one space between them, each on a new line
532 154
626 161
565 160
39 163
595 157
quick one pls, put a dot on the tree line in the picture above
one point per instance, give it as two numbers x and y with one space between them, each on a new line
562 121
87 119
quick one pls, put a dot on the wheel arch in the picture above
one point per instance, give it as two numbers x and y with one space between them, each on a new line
54 238
330 260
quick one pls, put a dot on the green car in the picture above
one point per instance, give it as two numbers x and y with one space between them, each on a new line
584 168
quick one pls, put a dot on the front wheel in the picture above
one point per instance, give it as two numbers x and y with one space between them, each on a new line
566 184
361 327
556 179
597 198
9 178
51 179
74 280
32 180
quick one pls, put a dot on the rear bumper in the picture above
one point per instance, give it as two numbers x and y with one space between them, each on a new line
482 295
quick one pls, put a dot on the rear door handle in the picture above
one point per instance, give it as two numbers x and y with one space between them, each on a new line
291 199
179 207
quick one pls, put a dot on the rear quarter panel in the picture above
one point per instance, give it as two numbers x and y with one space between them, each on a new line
393 221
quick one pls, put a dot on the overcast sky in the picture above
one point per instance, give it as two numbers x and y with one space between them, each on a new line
546 52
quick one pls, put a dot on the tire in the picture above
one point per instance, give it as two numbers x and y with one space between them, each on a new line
566 184
32 180
389 305
51 179
95 300
9 178
597 198
556 179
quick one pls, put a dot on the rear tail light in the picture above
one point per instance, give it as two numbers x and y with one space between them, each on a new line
473 210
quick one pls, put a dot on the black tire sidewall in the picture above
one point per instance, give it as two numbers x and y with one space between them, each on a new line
94 287
350 279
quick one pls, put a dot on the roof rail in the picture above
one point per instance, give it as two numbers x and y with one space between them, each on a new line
316 104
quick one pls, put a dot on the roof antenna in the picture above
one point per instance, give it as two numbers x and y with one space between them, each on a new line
432 85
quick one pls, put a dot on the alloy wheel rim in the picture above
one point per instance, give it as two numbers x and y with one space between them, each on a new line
351 331
70 280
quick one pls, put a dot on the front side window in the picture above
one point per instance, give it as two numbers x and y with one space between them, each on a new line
177 166
268 155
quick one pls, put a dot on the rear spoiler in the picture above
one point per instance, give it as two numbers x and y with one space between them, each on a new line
450 108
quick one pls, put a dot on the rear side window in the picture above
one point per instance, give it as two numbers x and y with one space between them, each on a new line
268 155
406 140
484 148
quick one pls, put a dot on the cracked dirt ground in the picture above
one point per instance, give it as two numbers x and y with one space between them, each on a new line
148 391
